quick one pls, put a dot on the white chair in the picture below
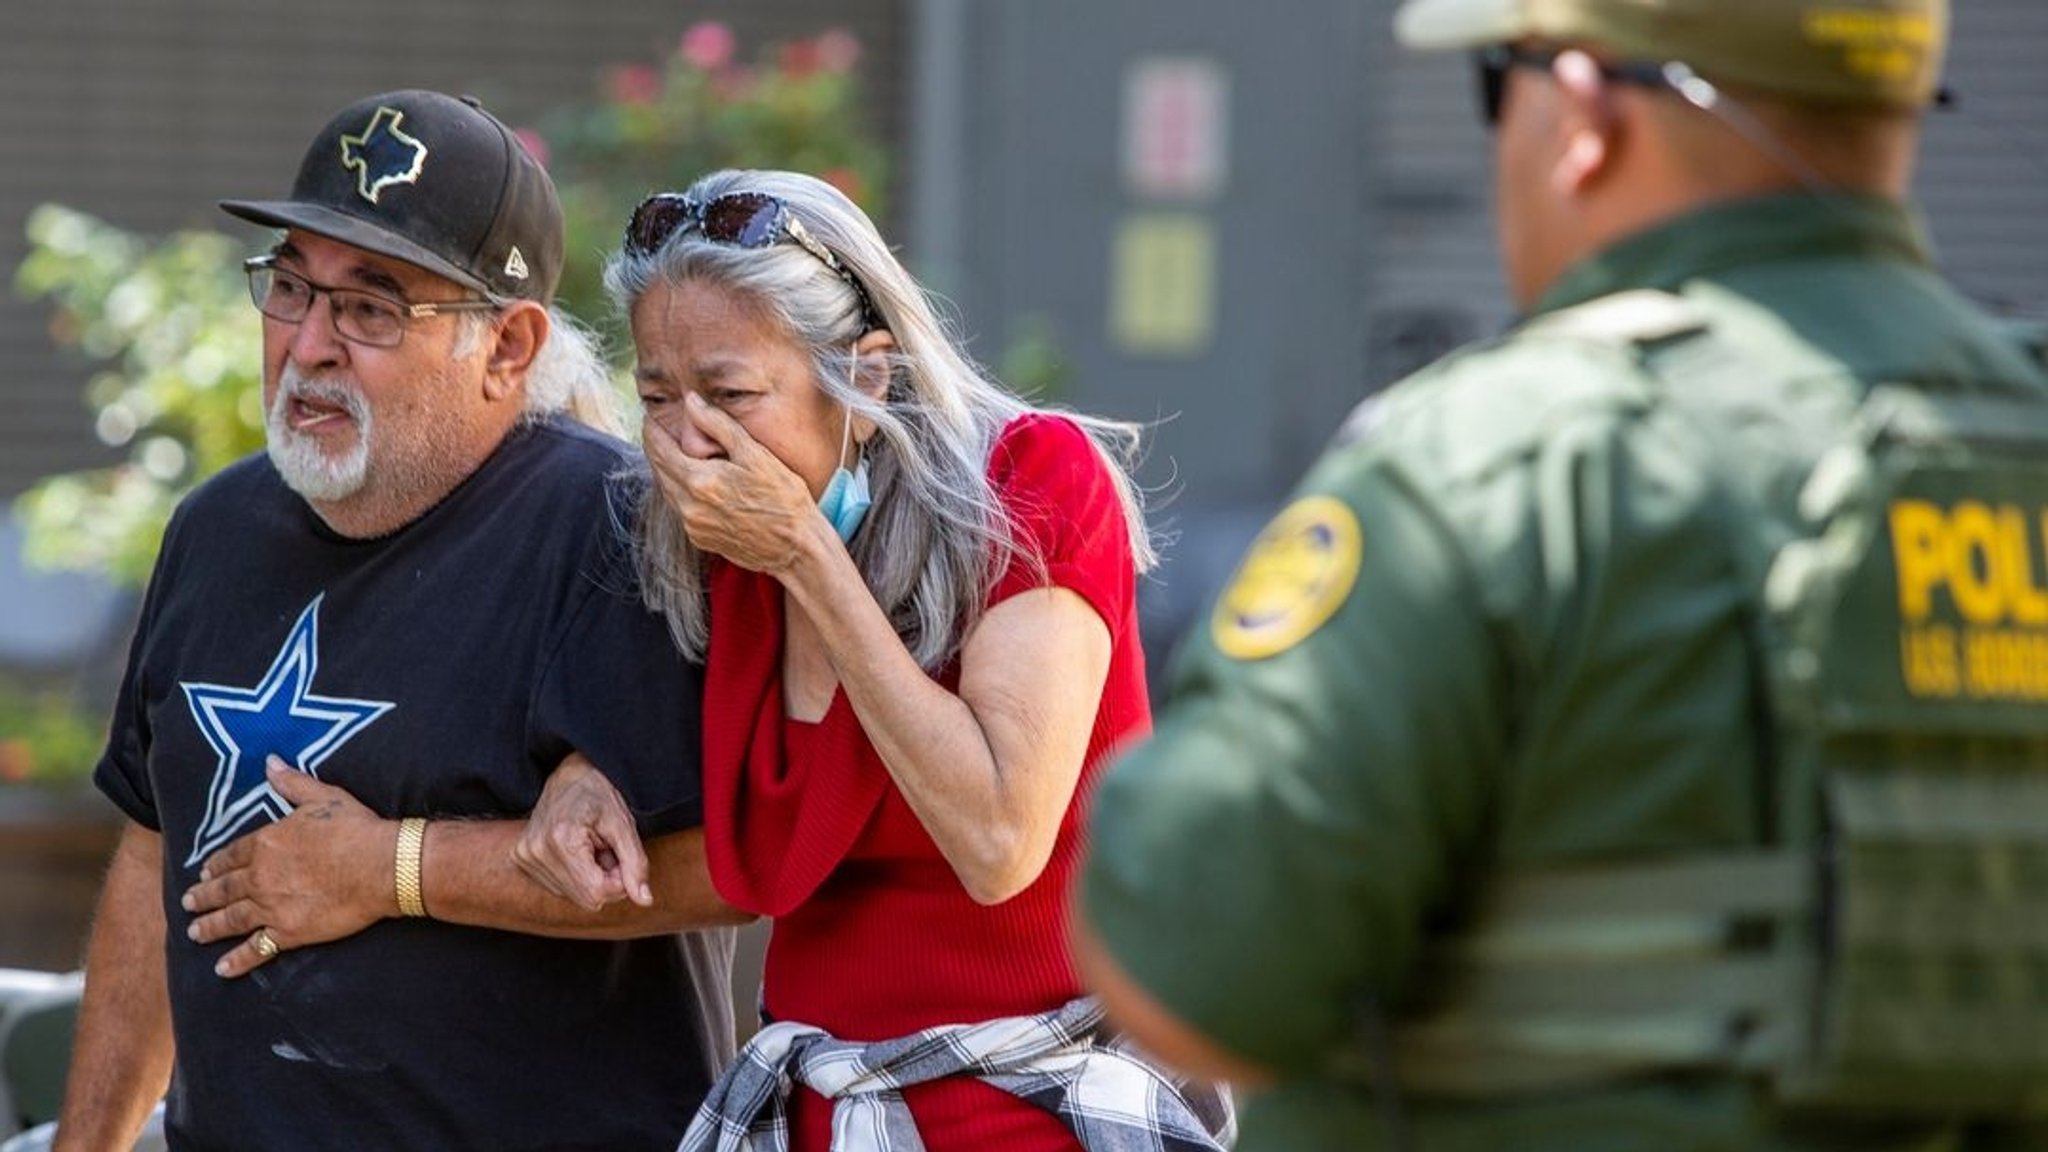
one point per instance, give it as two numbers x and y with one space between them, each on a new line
37 1013
37 1010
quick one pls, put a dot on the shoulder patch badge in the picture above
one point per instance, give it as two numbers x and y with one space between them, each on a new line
383 155
1294 579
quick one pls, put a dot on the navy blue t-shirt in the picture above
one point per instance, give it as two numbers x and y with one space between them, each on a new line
440 671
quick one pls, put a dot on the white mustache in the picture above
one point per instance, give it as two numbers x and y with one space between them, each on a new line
294 385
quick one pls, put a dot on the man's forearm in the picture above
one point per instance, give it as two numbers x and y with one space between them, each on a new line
121 1056
468 877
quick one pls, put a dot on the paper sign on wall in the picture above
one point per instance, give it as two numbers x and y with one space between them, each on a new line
1163 284
1176 128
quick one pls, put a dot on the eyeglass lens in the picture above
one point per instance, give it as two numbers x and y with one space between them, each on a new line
1491 66
745 219
655 220
1492 83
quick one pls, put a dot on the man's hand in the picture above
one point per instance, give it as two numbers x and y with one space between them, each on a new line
319 874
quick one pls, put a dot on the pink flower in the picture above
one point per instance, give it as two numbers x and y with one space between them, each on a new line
845 179
635 84
17 761
838 50
708 45
799 59
535 146
733 84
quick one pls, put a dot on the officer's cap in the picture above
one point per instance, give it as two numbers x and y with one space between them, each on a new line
1880 53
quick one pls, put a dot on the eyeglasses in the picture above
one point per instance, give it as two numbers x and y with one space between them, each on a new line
741 219
1493 63
361 317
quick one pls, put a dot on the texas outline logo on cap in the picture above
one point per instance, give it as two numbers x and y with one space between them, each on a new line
383 155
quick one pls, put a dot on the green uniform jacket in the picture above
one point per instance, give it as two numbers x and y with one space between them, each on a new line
1499 630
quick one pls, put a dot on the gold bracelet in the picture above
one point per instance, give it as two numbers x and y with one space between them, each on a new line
412 843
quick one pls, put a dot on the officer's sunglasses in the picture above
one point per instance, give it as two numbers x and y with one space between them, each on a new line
741 219
1493 64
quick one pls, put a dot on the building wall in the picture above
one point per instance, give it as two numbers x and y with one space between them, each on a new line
1351 225
1352 231
1983 185
145 112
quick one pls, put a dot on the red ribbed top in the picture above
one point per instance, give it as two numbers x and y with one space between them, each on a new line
874 935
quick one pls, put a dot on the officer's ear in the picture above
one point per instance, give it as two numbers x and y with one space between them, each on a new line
1588 122
520 331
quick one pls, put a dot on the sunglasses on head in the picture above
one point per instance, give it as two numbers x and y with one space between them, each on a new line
740 219
1493 64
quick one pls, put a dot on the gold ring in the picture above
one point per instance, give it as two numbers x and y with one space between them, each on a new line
265 946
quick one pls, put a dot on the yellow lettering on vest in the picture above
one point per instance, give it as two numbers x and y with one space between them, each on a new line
1980 657
1972 546
1917 545
2006 664
1927 660
2033 658
2027 602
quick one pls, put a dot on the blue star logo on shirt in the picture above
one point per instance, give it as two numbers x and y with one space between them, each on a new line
280 716
383 154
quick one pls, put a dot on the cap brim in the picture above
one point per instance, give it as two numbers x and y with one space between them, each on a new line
1445 24
323 221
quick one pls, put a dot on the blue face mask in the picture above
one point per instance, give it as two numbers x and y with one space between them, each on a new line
845 501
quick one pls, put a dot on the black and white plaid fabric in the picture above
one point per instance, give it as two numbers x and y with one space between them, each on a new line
1109 1097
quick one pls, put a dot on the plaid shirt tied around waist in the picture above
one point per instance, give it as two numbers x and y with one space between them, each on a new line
1111 1099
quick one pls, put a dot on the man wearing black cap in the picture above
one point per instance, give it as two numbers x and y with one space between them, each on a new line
413 606
1622 739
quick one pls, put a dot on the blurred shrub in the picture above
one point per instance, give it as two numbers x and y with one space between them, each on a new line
46 734
658 127
179 387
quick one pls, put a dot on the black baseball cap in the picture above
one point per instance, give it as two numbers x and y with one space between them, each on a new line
434 181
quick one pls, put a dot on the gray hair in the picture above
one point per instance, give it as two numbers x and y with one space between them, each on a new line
937 536
568 374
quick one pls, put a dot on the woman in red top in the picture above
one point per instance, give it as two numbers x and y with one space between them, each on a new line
915 595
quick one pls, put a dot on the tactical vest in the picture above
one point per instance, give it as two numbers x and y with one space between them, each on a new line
1888 952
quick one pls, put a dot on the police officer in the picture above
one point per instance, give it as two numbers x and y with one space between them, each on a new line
1486 812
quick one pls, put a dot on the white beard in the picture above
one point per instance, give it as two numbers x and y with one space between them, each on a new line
308 469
